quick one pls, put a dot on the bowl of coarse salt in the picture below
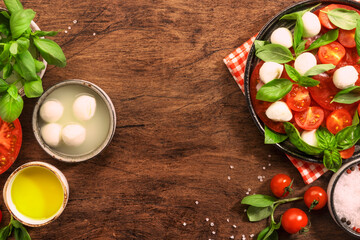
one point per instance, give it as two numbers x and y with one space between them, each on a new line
344 198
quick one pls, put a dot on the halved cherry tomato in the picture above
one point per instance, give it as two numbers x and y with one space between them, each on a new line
323 17
298 99
345 154
315 198
347 38
294 220
309 119
10 143
331 53
338 120
281 185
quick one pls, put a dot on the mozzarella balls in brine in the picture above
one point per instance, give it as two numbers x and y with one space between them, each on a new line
51 111
51 134
84 107
73 135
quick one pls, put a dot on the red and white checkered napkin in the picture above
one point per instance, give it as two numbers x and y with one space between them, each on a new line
236 62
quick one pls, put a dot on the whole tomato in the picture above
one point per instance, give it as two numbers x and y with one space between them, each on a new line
294 220
315 198
281 185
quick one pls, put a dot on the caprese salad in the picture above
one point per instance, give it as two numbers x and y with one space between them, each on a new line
306 86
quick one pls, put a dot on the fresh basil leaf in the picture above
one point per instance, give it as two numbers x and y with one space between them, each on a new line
343 18
258 213
357 36
293 74
15 223
355 120
307 82
26 64
347 96
14 48
324 39
272 137
320 68
23 44
4 25
293 16
347 137
258 200
300 48
3 86
274 90
10 109
274 53
326 140
5 232
5 14
271 235
21 233
332 160
39 65
298 31
7 70
48 33
5 55
13 91
33 89
20 21
295 139
50 51
13 5
263 233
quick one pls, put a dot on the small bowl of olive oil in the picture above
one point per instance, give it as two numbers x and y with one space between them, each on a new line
36 193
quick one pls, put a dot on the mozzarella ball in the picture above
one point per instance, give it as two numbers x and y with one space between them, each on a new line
312 25
310 137
282 36
345 77
51 111
51 134
270 71
84 107
73 135
279 112
304 62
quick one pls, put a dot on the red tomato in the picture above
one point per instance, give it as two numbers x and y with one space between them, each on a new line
331 53
324 19
298 99
338 120
0 216
347 38
315 198
347 153
310 119
293 220
10 143
281 185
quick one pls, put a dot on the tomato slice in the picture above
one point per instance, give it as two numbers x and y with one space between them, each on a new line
338 120
345 154
323 17
331 53
310 118
347 38
10 143
298 99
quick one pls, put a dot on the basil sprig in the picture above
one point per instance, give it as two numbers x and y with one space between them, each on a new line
14 226
274 90
320 68
325 39
274 53
272 137
343 18
348 96
304 80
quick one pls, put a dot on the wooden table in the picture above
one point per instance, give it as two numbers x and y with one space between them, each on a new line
182 122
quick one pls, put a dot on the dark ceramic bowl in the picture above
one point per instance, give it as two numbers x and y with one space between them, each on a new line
252 61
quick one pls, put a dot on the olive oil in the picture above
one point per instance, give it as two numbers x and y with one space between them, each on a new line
37 193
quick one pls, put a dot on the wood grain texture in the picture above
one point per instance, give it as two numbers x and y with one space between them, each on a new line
182 121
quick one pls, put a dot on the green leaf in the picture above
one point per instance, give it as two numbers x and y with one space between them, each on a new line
295 139
5 232
33 89
274 53
347 137
355 120
13 5
357 36
20 21
7 70
15 223
3 86
293 74
348 96
326 139
39 65
298 31
332 160
50 51
307 82
263 233
293 16
272 137
14 48
45 33
278 225
5 55
23 44
274 90
10 109
320 68
324 39
26 64
13 91
21 234
258 200
271 235
258 213
5 14
300 48
343 18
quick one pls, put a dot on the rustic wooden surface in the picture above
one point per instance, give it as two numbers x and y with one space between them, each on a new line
182 122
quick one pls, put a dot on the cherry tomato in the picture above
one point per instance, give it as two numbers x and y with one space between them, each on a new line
310 119
347 38
347 153
10 143
0 216
298 99
323 17
331 53
293 220
338 120
281 185
315 198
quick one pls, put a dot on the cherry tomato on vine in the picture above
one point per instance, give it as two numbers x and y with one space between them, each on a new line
315 198
281 185
294 220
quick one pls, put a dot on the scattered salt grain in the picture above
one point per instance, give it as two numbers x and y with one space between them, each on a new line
75 21
269 155
263 176
196 202
213 232
234 226
247 193
244 210
249 189
207 219
69 27
252 235
94 34
65 31
184 223
264 168
212 224
231 167
261 180
232 237
229 177
269 164
228 220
